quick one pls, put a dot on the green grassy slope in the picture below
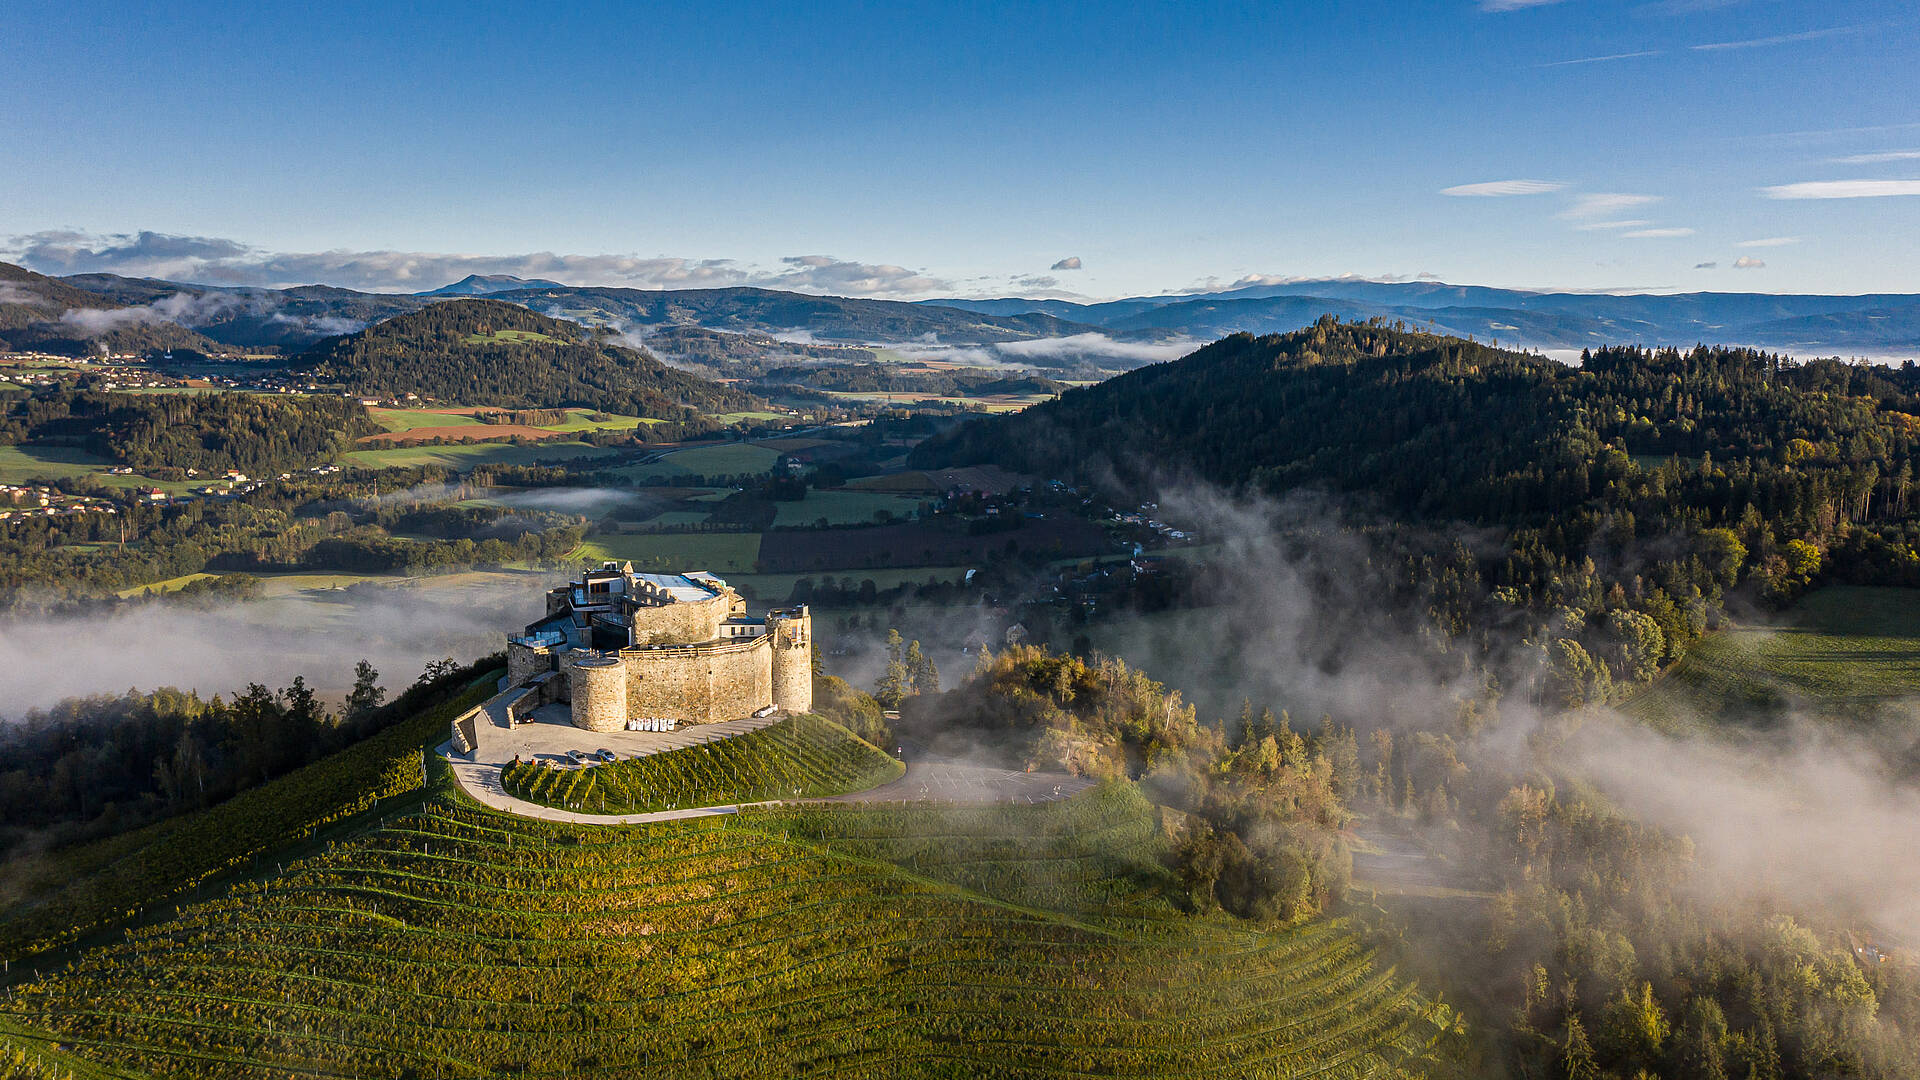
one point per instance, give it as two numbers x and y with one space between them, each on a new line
54 899
1843 653
462 942
802 757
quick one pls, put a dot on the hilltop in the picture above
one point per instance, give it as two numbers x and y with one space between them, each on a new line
489 352
487 284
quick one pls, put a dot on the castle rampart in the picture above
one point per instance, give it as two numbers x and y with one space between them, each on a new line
679 647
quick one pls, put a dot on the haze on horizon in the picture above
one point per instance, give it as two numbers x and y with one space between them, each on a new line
1034 150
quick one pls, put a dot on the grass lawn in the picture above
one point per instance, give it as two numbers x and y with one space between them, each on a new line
577 420
720 553
20 463
408 419
843 507
166 586
466 456
1843 652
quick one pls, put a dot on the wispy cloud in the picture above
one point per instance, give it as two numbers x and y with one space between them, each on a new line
1605 203
1881 158
1843 189
220 261
1600 59
1781 39
1748 262
1657 234
1595 226
1503 188
1769 241
1513 5
1071 262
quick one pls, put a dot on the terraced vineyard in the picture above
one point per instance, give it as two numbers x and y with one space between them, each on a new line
461 942
802 757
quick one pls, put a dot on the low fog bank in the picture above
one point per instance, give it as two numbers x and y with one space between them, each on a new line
320 634
1800 811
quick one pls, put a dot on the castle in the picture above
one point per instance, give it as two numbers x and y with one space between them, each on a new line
616 645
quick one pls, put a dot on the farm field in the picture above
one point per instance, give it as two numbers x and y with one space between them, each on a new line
19 464
725 459
839 941
719 553
467 456
1843 653
166 586
801 757
841 507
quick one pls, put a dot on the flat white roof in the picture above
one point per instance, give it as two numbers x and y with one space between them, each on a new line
690 587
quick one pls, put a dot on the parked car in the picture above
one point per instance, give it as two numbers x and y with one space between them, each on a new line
605 754
577 757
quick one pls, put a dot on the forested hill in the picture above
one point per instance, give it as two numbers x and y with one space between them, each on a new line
1632 444
487 352
43 314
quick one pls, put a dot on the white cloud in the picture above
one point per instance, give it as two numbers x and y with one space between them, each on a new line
1605 203
1769 241
1502 188
1747 262
1657 234
1072 262
215 260
1843 189
1881 158
1513 5
1593 226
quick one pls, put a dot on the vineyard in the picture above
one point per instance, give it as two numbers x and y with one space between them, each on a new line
798 758
826 941
81 889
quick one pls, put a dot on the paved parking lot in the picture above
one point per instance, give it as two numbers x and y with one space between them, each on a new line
551 734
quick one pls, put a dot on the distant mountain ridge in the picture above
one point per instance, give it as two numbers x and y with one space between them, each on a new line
1802 323
488 284
1881 324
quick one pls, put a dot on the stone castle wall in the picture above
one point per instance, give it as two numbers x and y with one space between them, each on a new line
526 661
792 635
682 623
700 685
599 694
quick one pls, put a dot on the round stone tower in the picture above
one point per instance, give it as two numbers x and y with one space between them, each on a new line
792 632
599 686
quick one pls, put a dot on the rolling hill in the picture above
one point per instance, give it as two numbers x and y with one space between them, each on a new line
44 314
831 942
490 352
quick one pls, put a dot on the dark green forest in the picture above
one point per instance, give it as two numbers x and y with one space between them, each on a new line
163 435
488 352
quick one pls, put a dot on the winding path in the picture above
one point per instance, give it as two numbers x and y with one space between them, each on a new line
550 735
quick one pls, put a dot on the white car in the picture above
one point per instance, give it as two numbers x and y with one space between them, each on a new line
577 757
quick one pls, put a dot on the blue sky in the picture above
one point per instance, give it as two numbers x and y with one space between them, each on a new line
907 150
